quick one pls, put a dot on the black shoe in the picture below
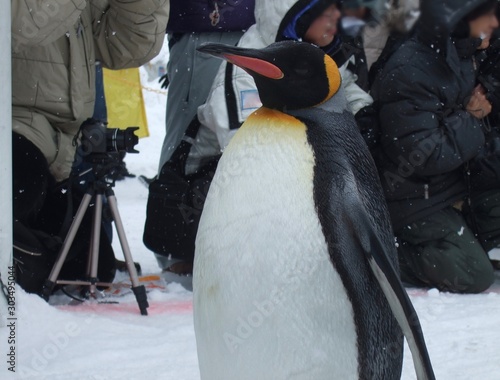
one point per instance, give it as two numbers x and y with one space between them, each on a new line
122 266
181 273
181 268
496 264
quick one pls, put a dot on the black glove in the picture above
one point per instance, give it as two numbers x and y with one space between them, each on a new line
164 81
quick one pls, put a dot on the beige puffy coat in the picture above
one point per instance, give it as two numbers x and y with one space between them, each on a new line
55 44
399 15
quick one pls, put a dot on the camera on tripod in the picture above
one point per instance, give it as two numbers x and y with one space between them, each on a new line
96 138
101 147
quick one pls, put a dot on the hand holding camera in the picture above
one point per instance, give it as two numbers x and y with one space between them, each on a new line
479 105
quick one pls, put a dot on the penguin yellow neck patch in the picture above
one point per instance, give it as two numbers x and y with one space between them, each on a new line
269 118
333 75
268 127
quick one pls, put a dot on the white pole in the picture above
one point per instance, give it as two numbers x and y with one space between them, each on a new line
5 155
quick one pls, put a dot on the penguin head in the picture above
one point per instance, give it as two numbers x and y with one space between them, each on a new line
289 74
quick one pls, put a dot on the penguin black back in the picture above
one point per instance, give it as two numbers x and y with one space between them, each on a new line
356 224
345 179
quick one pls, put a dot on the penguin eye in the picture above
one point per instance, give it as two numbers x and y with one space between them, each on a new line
303 69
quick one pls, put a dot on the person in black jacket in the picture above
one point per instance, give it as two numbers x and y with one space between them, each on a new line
432 125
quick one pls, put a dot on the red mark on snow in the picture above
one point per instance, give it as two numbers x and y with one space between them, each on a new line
155 308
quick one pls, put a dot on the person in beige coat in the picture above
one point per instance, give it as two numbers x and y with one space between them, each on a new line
55 46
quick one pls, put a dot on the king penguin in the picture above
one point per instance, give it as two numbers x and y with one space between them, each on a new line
295 270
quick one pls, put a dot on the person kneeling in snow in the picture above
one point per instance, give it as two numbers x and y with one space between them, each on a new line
432 123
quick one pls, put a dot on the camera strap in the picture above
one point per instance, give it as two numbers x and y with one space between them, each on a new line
180 155
178 159
231 102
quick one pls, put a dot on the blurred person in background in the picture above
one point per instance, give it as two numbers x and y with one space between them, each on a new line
432 121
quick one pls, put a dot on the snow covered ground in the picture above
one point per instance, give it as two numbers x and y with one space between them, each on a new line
109 341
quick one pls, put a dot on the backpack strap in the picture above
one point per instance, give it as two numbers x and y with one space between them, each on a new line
178 159
181 153
231 103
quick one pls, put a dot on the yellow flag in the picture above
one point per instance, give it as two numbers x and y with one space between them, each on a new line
124 100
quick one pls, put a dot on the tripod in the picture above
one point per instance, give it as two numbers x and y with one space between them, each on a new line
99 189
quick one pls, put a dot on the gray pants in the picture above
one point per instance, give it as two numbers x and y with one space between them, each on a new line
191 74
442 251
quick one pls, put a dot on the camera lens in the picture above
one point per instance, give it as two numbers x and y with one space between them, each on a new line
118 140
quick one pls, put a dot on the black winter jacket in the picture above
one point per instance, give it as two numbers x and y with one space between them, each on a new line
427 136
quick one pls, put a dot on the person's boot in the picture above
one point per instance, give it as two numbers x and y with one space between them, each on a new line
494 256
122 267
176 270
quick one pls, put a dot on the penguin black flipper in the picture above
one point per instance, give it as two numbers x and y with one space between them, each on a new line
351 208
393 289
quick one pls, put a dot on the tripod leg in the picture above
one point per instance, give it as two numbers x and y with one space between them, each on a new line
49 284
94 248
139 290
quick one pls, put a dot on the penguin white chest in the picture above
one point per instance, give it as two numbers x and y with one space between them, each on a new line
268 302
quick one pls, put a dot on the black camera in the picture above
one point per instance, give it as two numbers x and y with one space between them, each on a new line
97 138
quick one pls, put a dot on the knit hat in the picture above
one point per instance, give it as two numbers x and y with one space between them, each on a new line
300 17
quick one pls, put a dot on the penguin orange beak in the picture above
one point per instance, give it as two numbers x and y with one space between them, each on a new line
248 59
